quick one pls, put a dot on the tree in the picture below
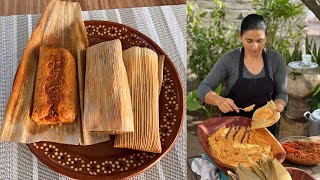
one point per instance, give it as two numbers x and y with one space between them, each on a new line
314 6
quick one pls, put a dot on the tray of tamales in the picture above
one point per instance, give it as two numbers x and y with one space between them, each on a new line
93 99
227 140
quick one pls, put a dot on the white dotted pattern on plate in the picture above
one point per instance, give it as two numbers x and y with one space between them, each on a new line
167 121
116 33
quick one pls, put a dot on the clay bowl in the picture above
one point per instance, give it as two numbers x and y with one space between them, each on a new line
299 174
210 126
294 159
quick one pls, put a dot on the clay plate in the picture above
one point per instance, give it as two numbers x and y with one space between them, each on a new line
102 161
210 126
299 174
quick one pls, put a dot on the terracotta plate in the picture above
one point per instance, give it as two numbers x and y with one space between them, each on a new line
298 174
210 126
102 161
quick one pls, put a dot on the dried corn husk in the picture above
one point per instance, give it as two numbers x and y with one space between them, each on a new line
267 169
245 173
143 69
265 116
107 103
281 172
256 169
61 25
266 166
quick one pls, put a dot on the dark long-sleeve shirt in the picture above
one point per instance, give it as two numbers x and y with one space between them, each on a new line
226 70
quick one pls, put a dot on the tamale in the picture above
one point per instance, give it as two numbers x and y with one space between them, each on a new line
107 101
55 96
142 65
60 26
265 116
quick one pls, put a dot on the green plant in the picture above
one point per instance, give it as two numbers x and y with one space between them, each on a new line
312 49
296 55
282 17
208 39
315 99
194 103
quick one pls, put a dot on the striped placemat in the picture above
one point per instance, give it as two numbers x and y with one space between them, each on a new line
166 25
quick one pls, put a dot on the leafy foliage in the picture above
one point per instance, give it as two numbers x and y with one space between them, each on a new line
208 39
194 103
312 49
282 17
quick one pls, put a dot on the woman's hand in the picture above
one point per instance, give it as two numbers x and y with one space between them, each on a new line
226 105
280 104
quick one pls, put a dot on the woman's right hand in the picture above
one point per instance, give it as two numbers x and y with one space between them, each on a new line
226 105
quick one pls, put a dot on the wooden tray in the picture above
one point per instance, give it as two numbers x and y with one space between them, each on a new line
210 126
102 161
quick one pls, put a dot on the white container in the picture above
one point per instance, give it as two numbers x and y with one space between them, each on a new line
314 122
306 59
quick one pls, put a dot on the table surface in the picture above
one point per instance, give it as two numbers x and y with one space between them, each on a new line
165 25
15 7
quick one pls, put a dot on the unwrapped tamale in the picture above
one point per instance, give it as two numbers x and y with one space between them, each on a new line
55 94
107 101
143 69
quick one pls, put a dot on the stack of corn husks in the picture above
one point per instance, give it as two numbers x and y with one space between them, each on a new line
265 169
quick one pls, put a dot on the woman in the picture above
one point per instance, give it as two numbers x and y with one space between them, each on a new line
252 74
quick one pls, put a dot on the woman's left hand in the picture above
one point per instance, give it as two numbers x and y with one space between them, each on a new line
279 107
280 104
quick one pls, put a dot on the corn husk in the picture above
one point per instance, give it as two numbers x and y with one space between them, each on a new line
281 172
61 25
245 173
267 168
265 116
255 168
107 103
144 70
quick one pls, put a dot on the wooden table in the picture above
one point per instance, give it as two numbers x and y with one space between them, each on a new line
15 7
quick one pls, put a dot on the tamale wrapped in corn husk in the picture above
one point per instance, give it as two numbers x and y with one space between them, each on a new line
144 70
60 26
107 102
